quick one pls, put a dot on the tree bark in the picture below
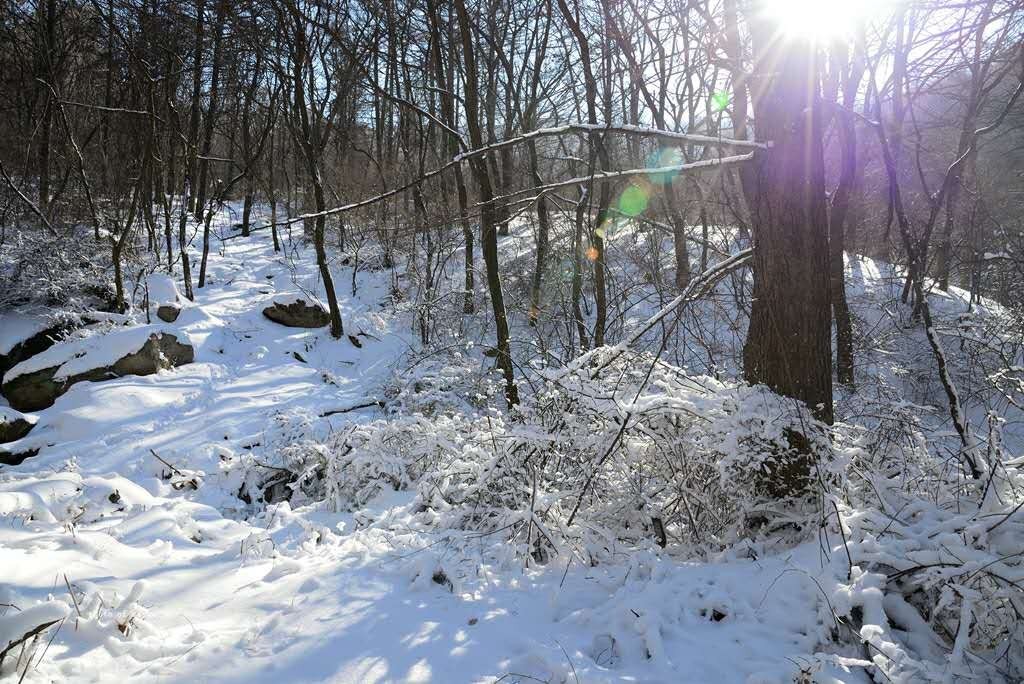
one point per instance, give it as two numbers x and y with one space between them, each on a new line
788 346
197 103
446 81
600 153
211 117
852 71
44 71
488 222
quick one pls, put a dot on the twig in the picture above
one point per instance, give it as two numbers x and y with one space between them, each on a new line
173 469
35 631
74 600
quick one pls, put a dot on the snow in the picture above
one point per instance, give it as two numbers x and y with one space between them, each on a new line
19 325
162 289
134 499
9 415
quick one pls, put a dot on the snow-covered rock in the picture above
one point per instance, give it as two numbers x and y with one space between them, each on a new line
14 425
162 289
36 383
163 296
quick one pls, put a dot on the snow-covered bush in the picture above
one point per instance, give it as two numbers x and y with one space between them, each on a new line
639 453
443 383
70 272
933 560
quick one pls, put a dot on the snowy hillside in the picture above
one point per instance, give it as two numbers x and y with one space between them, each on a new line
169 579
160 532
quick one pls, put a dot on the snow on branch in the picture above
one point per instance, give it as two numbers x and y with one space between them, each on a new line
621 129
599 176
547 132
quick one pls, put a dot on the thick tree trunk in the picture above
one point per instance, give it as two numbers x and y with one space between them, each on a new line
788 345
837 247
944 257
44 71
682 252
247 208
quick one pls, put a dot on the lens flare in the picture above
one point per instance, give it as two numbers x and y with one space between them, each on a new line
634 200
820 20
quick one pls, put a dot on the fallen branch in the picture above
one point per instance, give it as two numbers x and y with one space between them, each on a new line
599 176
173 469
357 407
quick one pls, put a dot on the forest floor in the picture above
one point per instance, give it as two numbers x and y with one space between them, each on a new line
161 573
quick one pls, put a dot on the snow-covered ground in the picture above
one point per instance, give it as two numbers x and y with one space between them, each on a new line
158 574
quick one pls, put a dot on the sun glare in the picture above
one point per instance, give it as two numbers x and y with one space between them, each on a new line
823 19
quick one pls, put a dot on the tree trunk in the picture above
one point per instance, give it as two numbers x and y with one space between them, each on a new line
839 216
788 345
197 102
247 207
272 191
600 153
186 269
488 222
577 273
447 81
211 116
837 247
47 50
337 329
543 230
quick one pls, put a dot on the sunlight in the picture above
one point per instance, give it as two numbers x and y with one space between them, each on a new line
823 19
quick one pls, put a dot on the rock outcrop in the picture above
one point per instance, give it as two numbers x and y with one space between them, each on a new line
38 389
297 314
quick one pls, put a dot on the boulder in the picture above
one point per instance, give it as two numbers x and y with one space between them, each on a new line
14 425
168 313
297 314
35 388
